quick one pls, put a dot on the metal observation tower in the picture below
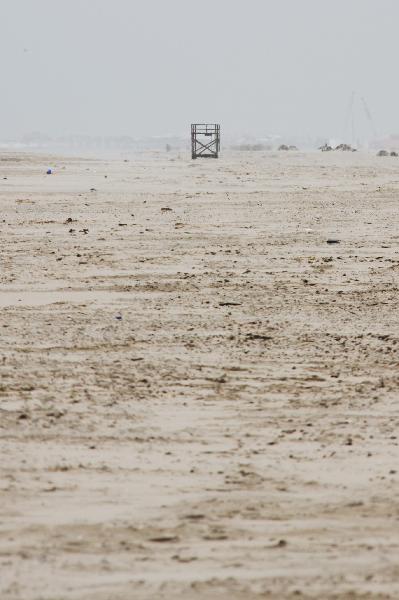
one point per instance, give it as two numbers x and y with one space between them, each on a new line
205 140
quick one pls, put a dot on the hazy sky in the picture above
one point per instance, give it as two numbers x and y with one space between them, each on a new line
151 67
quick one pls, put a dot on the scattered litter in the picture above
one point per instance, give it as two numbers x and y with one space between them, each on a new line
230 303
258 336
165 538
333 241
49 172
280 544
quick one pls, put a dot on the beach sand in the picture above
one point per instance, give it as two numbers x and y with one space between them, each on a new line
198 393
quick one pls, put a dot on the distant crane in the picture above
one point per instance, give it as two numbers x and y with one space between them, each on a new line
350 121
369 118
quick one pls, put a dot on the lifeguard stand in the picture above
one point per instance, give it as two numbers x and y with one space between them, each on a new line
205 140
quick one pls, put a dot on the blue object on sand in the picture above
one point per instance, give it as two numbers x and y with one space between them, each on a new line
49 171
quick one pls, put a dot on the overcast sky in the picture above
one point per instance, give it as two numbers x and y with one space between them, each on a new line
151 67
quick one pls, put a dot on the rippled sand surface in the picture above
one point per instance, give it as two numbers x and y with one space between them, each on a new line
199 393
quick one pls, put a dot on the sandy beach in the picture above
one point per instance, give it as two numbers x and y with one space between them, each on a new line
199 377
